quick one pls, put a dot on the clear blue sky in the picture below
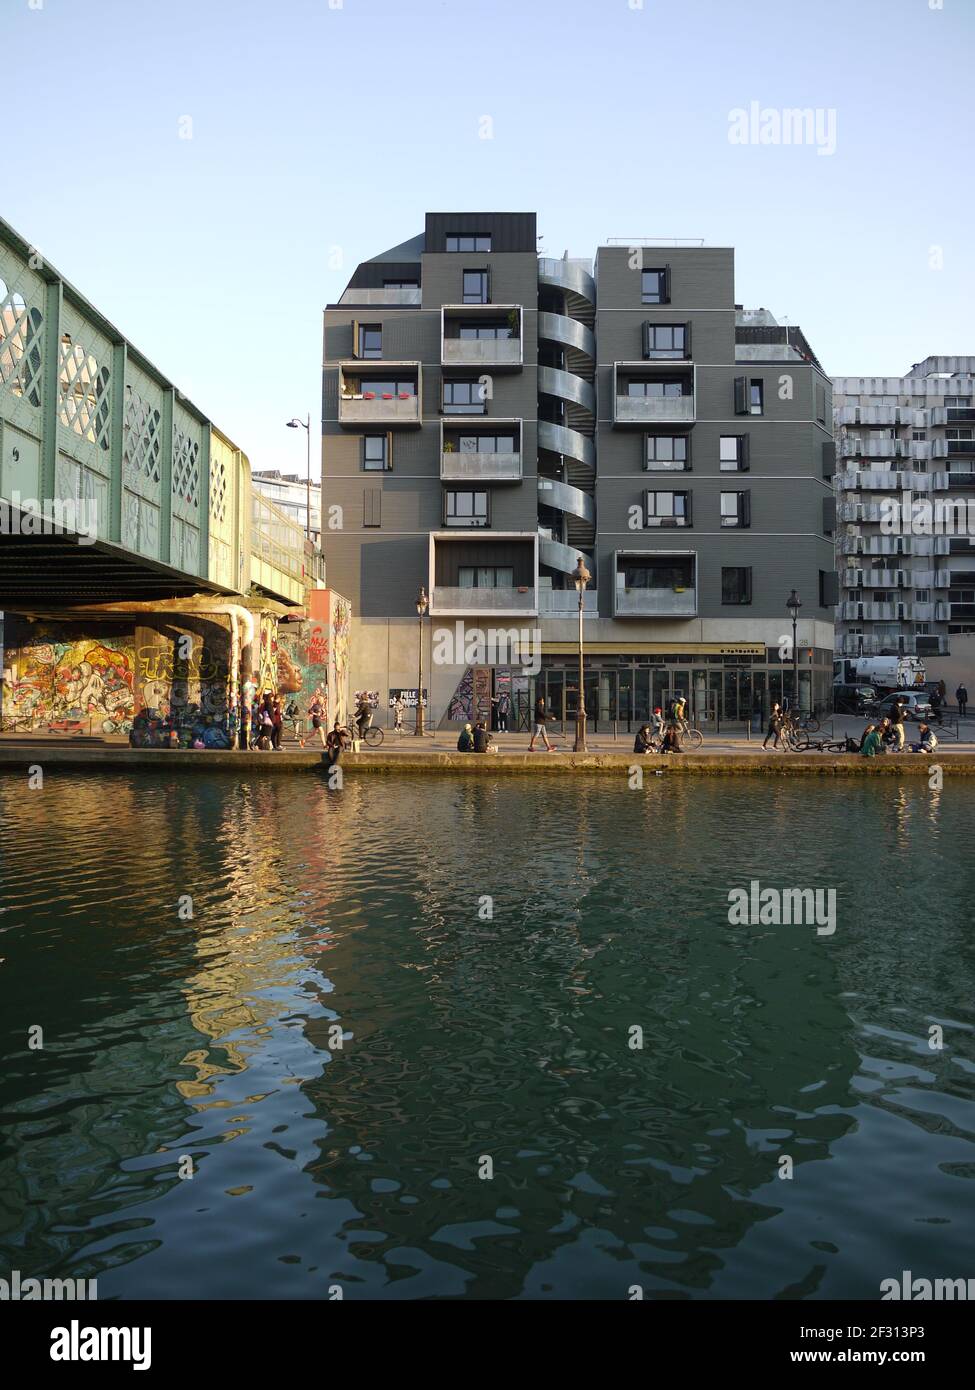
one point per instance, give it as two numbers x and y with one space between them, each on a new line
316 128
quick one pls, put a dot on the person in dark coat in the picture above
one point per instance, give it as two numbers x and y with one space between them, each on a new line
961 695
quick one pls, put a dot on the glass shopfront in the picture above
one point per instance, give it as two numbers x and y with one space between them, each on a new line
622 691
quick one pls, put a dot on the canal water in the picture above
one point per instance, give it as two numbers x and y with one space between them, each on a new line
397 1042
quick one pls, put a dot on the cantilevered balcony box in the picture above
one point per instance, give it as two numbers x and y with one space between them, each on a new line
646 394
483 575
655 584
481 337
485 450
381 394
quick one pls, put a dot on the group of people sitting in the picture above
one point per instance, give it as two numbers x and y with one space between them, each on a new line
185 727
476 739
888 737
662 733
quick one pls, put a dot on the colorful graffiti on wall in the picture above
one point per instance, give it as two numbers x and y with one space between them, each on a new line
341 633
52 678
302 655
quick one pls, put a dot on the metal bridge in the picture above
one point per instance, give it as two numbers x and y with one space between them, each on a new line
114 486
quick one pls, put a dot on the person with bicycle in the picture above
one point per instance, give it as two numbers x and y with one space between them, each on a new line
363 714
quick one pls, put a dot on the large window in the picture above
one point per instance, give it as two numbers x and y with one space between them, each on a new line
378 387
370 340
477 285
401 284
486 577
464 508
464 398
458 242
375 453
665 387
667 453
735 509
665 340
736 585
648 572
733 453
756 396
486 443
484 332
668 509
655 286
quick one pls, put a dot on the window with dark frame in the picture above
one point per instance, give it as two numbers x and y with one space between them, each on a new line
370 340
666 386
666 341
484 332
735 509
486 443
655 286
756 396
375 453
736 584
486 577
401 284
457 241
464 397
667 453
668 509
733 453
465 507
476 287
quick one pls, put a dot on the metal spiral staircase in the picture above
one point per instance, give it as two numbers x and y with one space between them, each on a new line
566 415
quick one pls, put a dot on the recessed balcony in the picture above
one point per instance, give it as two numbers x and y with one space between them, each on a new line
658 393
481 337
383 395
483 574
655 584
484 451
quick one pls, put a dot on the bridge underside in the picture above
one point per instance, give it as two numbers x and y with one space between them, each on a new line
41 572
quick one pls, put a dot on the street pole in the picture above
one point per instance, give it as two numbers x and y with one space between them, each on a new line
581 577
421 608
793 603
308 480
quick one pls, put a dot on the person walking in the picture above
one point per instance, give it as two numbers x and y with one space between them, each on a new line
936 702
538 727
277 724
961 695
316 711
774 726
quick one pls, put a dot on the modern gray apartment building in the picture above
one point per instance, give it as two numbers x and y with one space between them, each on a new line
903 591
490 415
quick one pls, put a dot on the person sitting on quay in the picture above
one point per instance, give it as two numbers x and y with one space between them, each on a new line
643 743
927 740
887 736
671 743
483 742
465 744
870 744
339 737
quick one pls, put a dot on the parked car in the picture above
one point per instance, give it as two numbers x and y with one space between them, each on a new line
916 706
853 699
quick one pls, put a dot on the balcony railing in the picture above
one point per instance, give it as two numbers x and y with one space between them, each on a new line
655 603
449 600
359 407
564 603
469 467
381 296
655 410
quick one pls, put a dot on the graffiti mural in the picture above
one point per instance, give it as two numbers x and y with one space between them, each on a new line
460 707
341 632
302 656
53 675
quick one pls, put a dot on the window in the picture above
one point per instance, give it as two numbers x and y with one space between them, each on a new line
388 389
922 595
376 453
665 387
456 242
829 593
668 508
367 340
749 395
656 286
666 340
486 443
919 434
477 284
735 509
736 585
958 400
484 331
372 501
463 508
486 577
733 453
401 284
667 453
464 397
820 403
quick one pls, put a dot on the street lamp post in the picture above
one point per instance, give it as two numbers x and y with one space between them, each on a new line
421 608
581 577
306 426
794 603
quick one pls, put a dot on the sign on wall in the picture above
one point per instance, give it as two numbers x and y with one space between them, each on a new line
408 696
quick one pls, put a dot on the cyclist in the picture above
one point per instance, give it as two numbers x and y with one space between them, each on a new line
363 714
679 711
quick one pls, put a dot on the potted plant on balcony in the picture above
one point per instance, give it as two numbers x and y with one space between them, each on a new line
449 447
514 325
368 395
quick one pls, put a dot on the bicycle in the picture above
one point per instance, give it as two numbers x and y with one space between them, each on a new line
373 736
693 737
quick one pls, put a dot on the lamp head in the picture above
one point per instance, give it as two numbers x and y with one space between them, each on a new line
580 575
422 601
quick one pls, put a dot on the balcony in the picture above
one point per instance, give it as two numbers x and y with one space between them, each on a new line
859 645
483 574
655 584
855 446
875 579
402 296
960 447
958 480
481 337
661 393
564 603
383 394
867 415
486 451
